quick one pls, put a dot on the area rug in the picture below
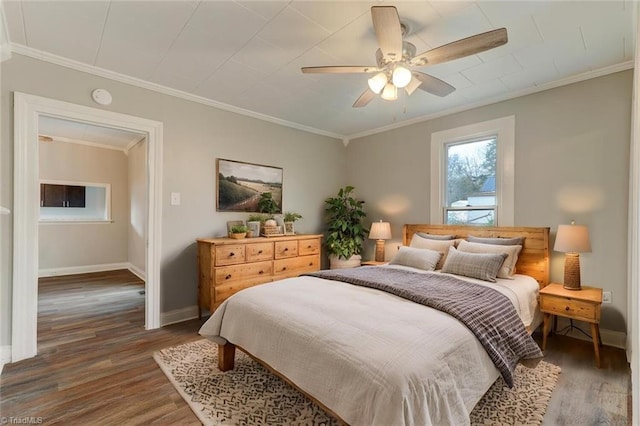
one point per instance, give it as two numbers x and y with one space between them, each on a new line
251 395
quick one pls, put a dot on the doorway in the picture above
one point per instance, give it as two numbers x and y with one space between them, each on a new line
27 111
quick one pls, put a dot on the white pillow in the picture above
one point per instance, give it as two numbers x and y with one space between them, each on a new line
508 267
441 246
416 258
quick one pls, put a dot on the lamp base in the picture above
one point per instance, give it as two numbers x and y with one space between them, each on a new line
572 271
379 250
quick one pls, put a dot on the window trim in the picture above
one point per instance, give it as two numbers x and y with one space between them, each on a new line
78 219
504 129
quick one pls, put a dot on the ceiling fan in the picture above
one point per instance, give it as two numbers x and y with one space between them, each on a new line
396 59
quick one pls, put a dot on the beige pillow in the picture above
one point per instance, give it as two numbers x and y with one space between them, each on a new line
508 267
484 266
416 258
441 246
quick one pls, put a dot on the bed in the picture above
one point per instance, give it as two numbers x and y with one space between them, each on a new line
371 357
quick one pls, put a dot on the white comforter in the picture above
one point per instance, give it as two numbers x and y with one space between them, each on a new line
371 357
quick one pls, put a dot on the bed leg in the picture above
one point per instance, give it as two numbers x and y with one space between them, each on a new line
226 356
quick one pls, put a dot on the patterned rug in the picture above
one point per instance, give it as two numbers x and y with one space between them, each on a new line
251 395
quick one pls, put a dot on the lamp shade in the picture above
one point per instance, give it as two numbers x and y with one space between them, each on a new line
390 92
380 231
377 82
572 239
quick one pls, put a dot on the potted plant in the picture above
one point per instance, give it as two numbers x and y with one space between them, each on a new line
238 232
269 207
289 218
253 223
346 234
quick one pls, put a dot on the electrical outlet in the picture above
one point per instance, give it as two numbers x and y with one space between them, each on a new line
606 297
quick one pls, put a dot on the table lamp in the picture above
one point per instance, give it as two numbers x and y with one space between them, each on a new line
380 231
572 240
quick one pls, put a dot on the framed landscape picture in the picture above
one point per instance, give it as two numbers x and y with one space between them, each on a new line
240 185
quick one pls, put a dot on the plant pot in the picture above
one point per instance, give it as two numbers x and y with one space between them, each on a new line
289 229
338 263
237 236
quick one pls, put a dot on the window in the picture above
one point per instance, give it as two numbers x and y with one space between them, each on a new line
62 201
472 174
470 182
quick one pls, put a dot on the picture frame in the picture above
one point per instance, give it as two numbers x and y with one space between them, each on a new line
232 223
239 185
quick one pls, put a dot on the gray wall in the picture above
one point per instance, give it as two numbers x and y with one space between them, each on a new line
571 162
194 136
137 226
84 244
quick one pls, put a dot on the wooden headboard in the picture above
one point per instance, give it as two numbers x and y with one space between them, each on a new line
533 260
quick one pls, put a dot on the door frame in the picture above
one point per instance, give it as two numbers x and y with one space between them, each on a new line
27 110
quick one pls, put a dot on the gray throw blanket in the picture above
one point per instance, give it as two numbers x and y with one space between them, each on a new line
489 314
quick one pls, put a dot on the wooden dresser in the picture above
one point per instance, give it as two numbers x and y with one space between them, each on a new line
227 266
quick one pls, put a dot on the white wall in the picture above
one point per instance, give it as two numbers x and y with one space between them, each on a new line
68 244
137 228
194 136
571 162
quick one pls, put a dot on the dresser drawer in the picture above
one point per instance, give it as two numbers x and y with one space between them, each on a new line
284 249
227 290
307 247
229 254
242 272
293 267
570 308
259 251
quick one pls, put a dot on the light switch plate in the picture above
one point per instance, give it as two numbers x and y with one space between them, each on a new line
175 198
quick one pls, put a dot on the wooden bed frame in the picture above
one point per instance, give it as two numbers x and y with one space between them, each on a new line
533 260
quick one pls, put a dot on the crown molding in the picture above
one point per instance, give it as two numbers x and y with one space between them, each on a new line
528 91
101 72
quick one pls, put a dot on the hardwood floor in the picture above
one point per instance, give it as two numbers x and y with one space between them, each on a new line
95 365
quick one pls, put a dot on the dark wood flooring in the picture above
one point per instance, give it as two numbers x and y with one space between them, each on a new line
95 365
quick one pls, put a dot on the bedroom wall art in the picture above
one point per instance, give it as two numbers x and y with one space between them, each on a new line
239 185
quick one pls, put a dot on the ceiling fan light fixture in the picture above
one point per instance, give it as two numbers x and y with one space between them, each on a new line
390 92
377 82
401 76
413 85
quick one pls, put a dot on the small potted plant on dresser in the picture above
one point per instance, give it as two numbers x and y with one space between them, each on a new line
238 232
289 218
254 221
269 207
346 234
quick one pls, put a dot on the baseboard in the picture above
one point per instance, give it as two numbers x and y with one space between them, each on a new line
70 270
617 339
179 315
137 272
5 356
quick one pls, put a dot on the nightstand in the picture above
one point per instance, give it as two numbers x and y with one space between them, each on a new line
581 305
372 263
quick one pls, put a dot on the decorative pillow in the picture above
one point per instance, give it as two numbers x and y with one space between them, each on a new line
416 258
484 266
516 241
436 237
509 265
441 246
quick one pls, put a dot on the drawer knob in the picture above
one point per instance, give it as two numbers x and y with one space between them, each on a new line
259 251
566 308
309 246
261 272
284 268
310 263
232 254
227 277
286 249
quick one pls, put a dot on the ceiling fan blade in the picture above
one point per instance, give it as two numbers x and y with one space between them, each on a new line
433 85
366 97
338 69
386 23
461 48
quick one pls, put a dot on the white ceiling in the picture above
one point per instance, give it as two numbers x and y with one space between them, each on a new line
246 55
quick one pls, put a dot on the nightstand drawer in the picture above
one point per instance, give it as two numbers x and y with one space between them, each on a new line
569 308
